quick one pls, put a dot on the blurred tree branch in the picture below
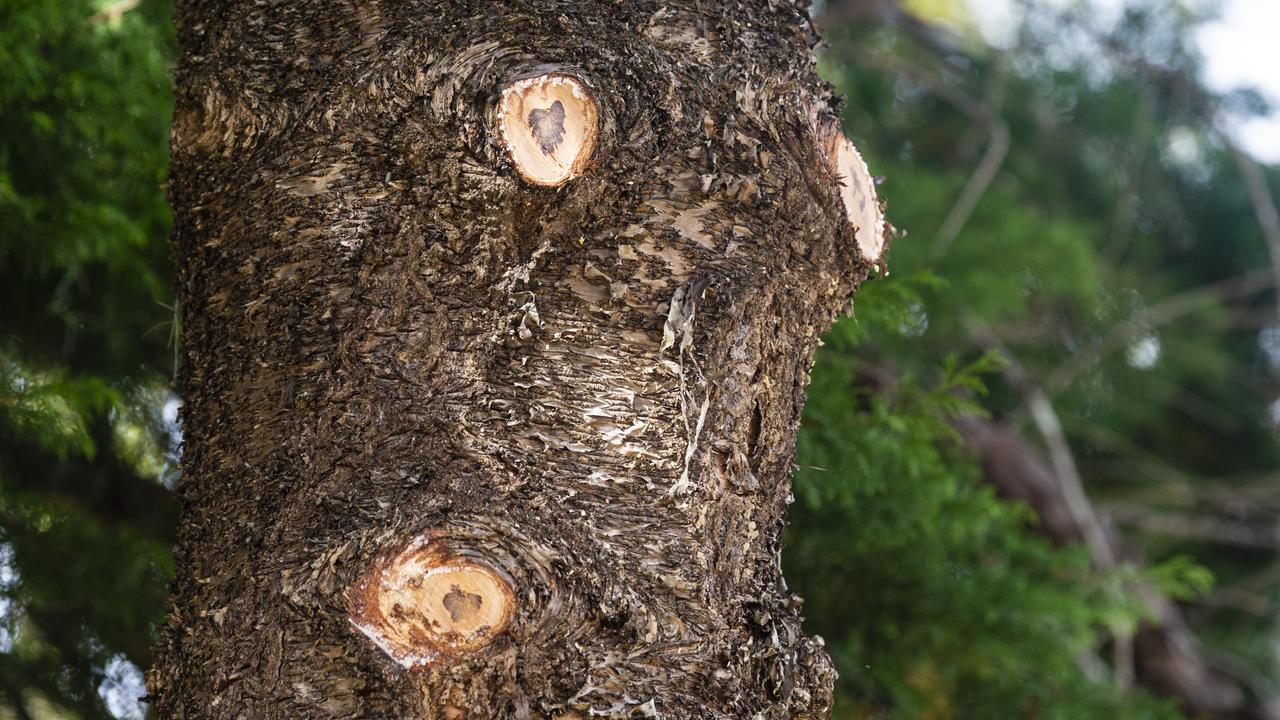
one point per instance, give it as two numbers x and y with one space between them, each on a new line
984 113
1166 311
114 11
1071 485
1264 206
102 486
1197 526
1167 655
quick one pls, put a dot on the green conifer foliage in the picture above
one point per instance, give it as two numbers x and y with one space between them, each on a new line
1113 253
85 351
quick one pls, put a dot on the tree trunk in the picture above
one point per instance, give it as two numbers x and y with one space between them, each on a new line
497 322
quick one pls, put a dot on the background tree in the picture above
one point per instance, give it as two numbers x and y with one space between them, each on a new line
86 513
1109 247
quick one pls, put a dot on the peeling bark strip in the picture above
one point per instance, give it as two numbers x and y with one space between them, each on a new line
498 317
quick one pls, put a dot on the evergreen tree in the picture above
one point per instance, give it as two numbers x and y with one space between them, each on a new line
1110 255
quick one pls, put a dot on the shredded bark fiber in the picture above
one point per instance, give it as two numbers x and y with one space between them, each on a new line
584 393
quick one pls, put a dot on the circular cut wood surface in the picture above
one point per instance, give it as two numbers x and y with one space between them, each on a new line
857 193
549 124
421 604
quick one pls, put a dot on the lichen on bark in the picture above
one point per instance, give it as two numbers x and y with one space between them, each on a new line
592 390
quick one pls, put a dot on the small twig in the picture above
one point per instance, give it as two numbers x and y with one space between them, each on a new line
1263 687
890 13
1244 601
1130 202
1060 456
1264 206
984 113
1189 526
1164 312
984 173
114 11
1071 484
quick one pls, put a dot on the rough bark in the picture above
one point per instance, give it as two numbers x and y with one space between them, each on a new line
577 400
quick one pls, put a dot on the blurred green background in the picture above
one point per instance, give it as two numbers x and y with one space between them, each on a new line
1038 471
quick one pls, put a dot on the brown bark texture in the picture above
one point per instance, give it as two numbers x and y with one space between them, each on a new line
413 377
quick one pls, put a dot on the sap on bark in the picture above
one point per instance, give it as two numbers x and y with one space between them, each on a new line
856 186
549 125
420 603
